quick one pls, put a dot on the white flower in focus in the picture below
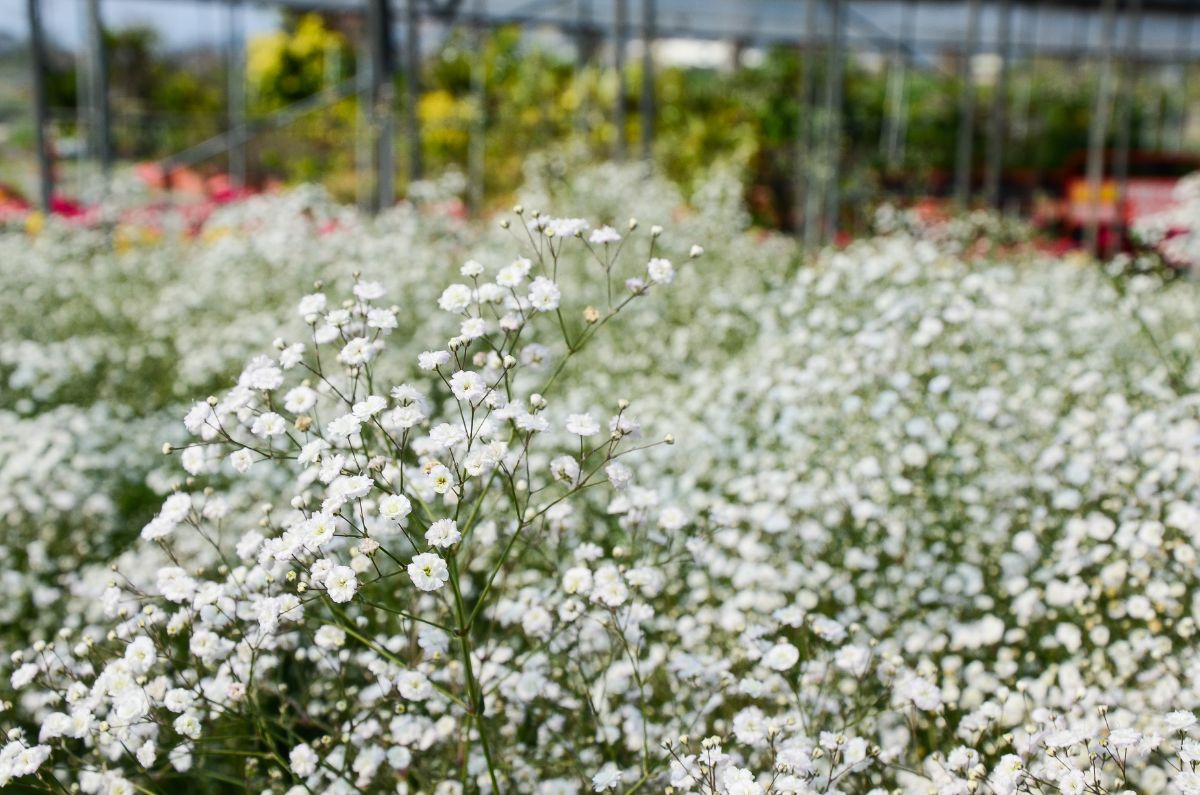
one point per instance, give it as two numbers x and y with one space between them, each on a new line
341 584
443 533
414 686
395 507
428 571
358 351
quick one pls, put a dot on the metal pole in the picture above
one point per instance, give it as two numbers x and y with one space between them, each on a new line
1099 126
966 110
910 23
833 111
649 18
477 150
363 127
235 73
37 63
85 107
1186 45
412 84
812 132
803 125
1127 89
892 139
620 9
101 126
379 38
1024 90
997 123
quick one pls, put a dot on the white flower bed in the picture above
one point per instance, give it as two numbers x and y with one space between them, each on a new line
575 505
1175 232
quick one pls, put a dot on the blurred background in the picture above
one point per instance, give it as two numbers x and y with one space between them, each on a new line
1079 115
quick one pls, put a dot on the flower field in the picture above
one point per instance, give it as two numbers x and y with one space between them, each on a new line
608 493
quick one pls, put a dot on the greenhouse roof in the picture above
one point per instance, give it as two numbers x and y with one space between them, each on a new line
1170 29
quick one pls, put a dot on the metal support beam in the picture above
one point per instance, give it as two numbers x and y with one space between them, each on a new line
382 96
98 91
812 130
1185 89
235 91
412 88
620 23
998 122
966 109
477 146
1099 126
363 129
37 65
833 114
1126 95
649 24
894 129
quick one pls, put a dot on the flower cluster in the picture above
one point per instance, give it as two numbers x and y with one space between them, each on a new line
1175 232
570 516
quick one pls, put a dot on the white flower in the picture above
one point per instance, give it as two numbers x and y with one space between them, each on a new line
341 584
140 654
565 468
582 425
311 305
395 507
369 291
428 571
565 227
300 399
577 579
414 686
431 360
291 356
384 319
1180 720
147 753
608 777
269 424
781 656
359 350
619 475
544 294
739 781
467 385
443 533
604 235
372 405
456 298
303 760
330 637
344 427
660 271
511 276
241 460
